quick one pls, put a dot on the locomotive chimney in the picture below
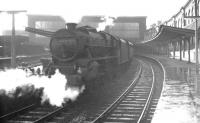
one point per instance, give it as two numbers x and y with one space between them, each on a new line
71 26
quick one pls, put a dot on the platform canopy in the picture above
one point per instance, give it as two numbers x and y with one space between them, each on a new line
168 34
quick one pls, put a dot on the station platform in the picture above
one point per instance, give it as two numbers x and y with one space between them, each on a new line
31 59
178 102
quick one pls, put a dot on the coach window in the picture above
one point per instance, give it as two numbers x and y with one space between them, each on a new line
192 14
186 20
178 22
181 22
189 19
175 23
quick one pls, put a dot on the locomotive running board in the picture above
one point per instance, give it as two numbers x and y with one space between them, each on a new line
96 46
103 58
39 32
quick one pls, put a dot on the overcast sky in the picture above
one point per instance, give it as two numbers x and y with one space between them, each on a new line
72 10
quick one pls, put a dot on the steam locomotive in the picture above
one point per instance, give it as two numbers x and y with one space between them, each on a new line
82 54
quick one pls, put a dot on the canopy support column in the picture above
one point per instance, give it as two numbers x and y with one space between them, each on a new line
184 44
189 49
174 50
180 48
168 50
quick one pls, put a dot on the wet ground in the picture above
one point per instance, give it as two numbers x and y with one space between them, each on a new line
177 103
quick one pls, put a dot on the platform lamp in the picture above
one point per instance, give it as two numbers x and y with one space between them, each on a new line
13 47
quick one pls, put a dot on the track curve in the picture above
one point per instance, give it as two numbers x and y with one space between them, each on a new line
136 104
133 103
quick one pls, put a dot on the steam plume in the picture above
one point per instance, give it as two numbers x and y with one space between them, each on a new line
54 87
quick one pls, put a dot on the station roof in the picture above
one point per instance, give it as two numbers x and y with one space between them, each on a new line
168 34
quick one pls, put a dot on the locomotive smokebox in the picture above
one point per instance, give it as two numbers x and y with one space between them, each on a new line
71 26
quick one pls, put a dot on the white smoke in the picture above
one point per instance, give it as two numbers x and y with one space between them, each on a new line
72 93
54 87
107 21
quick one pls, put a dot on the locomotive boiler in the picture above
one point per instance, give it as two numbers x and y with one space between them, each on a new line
82 54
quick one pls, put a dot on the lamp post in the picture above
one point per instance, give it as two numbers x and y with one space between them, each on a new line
13 45
196 34
196 45
196 37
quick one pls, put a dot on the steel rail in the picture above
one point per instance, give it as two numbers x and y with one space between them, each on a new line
100 117
49 115
163 68
14 113
149 97
161 65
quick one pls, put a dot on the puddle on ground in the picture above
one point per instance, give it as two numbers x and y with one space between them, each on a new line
176 104
178 74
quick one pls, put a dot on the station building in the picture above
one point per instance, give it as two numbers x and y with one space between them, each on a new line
179 36
28 43
129 28
92 21
182 39
43 22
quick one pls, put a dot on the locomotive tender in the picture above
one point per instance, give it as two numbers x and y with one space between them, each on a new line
82 54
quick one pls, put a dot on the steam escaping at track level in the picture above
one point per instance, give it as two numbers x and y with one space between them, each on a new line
55 90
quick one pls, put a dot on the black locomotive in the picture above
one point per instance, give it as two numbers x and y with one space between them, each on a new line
82 54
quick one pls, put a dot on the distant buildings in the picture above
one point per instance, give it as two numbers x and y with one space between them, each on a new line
92 21
129 28
44 22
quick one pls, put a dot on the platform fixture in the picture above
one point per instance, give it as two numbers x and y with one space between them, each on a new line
196 16
13 50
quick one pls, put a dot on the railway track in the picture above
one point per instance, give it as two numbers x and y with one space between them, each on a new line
136 104
133 104
32 114
160 78
37 114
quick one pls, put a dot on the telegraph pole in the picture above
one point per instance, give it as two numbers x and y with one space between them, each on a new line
13 44
197 84
196 34
197 88
196 37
